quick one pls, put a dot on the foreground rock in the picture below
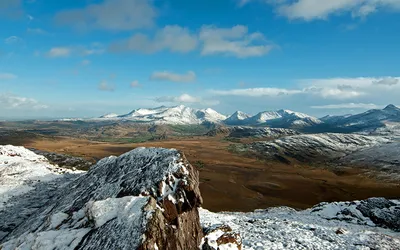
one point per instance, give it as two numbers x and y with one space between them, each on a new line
144 199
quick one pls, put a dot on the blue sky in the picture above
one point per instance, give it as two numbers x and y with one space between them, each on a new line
91 57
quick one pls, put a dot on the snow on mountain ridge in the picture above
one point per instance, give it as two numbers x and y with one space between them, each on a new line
236 118
282 118
373 117
110 115
172 115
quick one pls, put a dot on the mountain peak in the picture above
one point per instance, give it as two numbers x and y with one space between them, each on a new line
391 107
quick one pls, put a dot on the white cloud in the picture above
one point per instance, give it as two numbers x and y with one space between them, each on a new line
257 92
347 106
332 88
113 15
93 49
182 98
318 9
105 86
307 95
135 84
11 9
7 76
186 98
66 51
389 81
172 37
9 3
59 52
12 40
235 41
86 62
338 92
190 76
10 101
242 3
349 88
37 31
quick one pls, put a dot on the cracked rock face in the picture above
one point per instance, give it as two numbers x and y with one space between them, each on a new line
147 198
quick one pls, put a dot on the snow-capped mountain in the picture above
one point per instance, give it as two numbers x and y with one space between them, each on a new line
236 118
210 115
111 115
186 115
334 118
171 115
371 121
373 117
282 118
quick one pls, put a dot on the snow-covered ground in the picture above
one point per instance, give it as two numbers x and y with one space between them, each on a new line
325 226
21 170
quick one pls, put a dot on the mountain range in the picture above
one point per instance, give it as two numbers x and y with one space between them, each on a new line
369 120
171 115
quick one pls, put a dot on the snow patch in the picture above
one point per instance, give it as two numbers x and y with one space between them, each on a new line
21 170
128 207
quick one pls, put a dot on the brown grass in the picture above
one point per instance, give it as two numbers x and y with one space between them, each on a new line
235 183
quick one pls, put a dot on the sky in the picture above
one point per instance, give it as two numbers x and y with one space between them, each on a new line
87 58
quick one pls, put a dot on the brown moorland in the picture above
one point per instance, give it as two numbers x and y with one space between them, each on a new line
232 182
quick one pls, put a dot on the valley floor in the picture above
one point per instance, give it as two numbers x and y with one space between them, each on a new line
232 182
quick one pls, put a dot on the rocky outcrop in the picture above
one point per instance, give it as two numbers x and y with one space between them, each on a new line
64 161
374 212
147 198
